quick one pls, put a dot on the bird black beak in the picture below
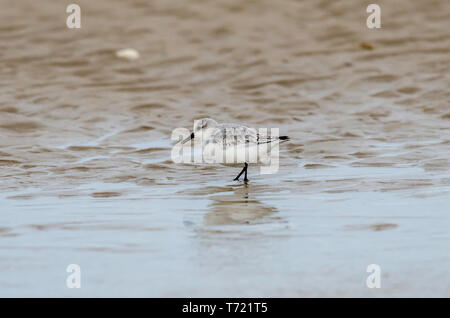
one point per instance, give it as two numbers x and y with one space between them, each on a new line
191 136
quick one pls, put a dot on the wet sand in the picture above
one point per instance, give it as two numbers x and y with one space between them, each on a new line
86 175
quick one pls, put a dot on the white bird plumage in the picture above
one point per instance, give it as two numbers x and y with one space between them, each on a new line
233 143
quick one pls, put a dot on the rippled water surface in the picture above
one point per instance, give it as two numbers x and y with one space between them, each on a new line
86 175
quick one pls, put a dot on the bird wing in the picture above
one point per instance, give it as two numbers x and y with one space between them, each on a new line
265 139
234 135
237 135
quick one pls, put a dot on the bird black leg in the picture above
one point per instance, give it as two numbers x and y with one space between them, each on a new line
245 175
243 170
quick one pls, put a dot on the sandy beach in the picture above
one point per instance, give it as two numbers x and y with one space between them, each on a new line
86 175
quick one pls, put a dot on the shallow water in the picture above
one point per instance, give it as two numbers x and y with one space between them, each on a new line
87 177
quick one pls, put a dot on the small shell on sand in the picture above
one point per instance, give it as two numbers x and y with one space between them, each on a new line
128 54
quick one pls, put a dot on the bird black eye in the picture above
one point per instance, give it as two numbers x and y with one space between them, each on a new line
192 135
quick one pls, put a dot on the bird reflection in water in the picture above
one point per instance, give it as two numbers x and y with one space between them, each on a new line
237 204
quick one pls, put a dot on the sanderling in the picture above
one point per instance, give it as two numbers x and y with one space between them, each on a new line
239 143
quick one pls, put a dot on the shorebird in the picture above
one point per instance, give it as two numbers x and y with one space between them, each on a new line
234 143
